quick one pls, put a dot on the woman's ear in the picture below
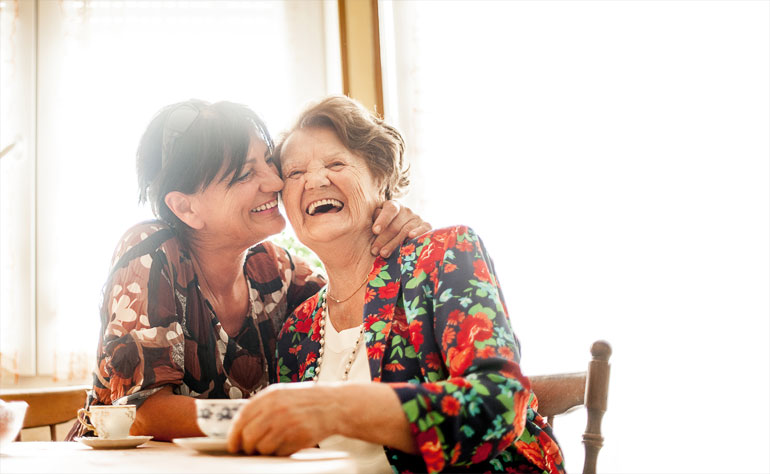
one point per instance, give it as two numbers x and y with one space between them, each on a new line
183 206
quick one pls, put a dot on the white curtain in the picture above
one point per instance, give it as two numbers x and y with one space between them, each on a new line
614 158
103 69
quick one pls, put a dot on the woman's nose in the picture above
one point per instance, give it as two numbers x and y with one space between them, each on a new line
270 182
316 178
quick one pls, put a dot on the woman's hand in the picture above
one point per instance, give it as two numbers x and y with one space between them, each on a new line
394 223
287 417
281 420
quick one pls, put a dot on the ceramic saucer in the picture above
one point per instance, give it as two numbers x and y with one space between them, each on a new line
317 454
118 443
204 444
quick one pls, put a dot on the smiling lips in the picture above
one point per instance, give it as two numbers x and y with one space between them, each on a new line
323 206
266 206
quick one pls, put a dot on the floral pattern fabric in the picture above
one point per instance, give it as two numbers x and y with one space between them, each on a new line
437 330
159 330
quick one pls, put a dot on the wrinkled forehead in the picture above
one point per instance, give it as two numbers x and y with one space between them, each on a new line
309 143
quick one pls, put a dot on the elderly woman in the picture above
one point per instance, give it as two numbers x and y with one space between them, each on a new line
428 325
194 302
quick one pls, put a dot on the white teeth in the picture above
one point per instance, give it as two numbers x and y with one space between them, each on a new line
266 206
315 205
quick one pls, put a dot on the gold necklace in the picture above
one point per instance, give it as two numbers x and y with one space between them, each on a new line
351 295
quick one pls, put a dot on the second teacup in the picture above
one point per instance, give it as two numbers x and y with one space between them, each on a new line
109 421
216 415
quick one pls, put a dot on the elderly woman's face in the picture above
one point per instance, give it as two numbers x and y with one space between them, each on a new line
328 191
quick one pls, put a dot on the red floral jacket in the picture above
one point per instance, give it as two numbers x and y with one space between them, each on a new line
438 332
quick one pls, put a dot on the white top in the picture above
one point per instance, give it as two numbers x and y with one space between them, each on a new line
369 457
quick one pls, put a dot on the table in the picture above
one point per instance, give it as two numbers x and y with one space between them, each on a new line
154 456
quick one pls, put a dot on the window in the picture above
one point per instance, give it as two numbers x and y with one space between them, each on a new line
102 69
614 158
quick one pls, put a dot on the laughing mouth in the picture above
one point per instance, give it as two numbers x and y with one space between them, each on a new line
323 206
266 206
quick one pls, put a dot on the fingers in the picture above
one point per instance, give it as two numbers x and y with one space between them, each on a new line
391 239
419 230
385 215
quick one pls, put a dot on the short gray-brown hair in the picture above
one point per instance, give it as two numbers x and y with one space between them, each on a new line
378 143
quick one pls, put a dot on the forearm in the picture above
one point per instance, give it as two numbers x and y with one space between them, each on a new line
373 413
166 416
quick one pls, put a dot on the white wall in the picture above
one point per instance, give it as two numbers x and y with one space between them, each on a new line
615 157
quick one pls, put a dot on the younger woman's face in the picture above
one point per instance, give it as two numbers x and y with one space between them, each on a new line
246 212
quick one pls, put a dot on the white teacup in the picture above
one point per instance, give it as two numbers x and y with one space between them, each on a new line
216 415
109 421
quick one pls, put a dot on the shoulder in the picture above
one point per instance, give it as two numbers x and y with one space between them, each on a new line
459 237
146 237
267 258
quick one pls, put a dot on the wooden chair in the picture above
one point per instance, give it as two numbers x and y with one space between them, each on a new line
560 393
49 406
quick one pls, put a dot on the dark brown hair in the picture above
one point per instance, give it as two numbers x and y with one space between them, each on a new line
217 139
379 144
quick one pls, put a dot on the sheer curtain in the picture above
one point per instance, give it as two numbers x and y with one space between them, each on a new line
614 158
103 69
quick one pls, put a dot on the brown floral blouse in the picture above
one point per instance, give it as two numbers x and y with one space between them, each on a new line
158 329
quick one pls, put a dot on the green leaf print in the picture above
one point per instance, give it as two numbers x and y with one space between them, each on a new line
411 409
506 398
413 282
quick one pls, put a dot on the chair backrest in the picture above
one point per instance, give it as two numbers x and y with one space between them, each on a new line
560 393
49 406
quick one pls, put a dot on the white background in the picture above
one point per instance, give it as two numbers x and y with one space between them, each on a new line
614 156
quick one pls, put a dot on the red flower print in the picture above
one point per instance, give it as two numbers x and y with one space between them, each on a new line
393 367
459 360
387 311
415 334
370 294
480 270
399 323
450 267
294 350
506 352
482 453
306 308
426 262
376 351
520 400
433 360
303 324
459 382
448 337
506 440
311 357
378 264
486 352
450 405
456 451
532 452
315 327
407 249
455 317
430 448
450 241
371 319
433 387
474 328
390 290
464 246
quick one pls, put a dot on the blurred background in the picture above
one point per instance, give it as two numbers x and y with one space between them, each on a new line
614 157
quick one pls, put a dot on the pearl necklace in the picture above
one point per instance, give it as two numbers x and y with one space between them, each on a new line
322 332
